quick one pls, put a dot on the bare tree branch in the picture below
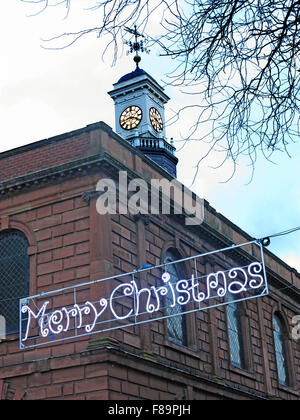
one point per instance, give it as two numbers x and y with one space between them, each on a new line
240 57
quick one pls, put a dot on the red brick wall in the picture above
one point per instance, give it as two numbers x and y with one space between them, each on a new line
71 244
209 351
62 234
45 156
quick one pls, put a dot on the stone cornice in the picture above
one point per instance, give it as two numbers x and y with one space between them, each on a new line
45 176
68 170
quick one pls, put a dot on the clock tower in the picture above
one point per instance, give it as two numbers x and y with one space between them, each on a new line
139 113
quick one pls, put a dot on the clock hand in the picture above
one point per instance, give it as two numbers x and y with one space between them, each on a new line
129 119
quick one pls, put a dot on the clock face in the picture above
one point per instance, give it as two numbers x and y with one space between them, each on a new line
156 119
131 117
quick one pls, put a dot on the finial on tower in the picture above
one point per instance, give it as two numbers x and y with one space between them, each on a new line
136 46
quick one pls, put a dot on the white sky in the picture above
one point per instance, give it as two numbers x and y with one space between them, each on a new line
45 93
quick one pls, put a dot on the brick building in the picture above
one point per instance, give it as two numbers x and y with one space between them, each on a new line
52 237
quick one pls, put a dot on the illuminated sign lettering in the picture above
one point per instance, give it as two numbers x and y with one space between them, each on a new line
43 320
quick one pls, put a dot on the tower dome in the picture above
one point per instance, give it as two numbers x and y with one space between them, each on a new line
137 72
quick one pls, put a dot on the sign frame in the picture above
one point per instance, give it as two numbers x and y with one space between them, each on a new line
74 313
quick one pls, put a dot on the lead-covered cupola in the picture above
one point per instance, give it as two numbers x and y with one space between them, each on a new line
140 113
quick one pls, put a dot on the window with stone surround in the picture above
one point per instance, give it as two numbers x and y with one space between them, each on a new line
235 333
176 324
279 335
14 276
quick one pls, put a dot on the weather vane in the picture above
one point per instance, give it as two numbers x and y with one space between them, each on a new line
136 46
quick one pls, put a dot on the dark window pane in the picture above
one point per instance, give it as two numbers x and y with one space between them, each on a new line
280 351
235 334
176 323
14 276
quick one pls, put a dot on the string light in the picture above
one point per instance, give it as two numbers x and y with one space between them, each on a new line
236 281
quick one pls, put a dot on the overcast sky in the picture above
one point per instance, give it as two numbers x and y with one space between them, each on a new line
44 93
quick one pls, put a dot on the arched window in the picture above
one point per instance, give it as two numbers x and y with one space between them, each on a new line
14 276
176 324
235 333
280 350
